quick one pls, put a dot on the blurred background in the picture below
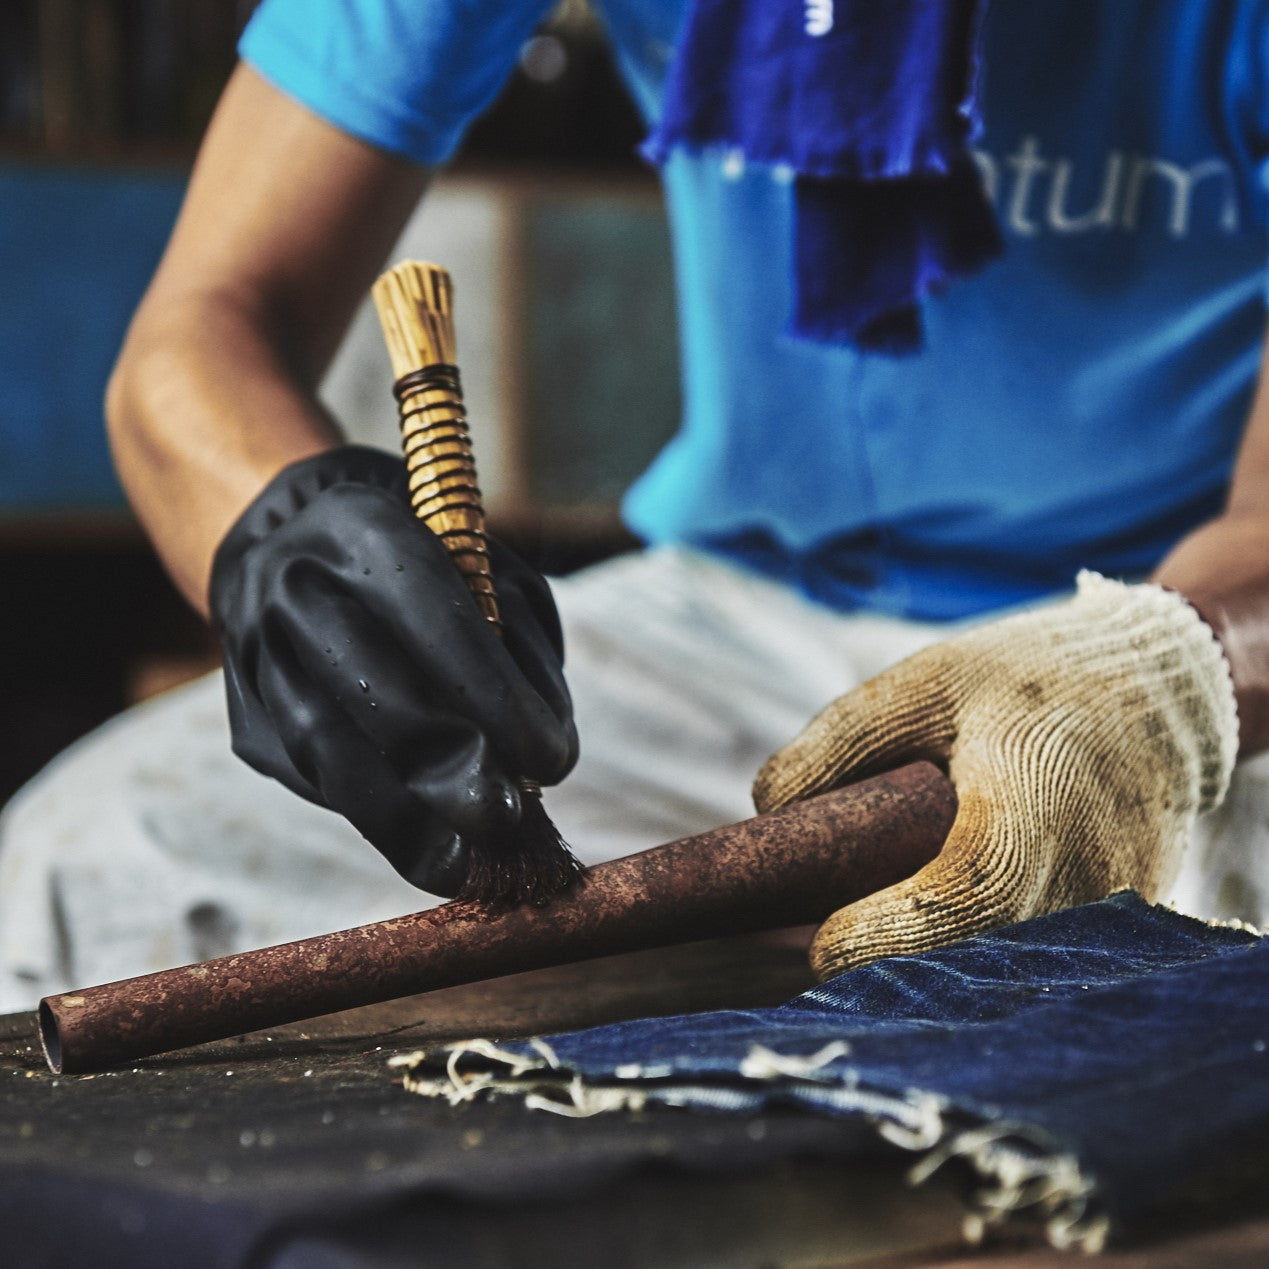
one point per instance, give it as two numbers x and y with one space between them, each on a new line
549 222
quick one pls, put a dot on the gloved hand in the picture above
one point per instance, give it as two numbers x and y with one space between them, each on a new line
1083 739
361 674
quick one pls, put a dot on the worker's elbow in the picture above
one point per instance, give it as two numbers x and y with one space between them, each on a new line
128 389
122 392
141 386
142 406
114 404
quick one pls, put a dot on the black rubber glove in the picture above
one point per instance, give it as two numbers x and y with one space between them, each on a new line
361 674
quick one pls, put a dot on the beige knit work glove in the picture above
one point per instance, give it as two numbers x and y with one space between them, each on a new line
1083 740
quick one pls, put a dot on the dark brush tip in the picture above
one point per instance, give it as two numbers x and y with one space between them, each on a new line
538 866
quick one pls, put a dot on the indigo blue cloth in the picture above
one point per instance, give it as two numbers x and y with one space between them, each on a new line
872 107
1092 1065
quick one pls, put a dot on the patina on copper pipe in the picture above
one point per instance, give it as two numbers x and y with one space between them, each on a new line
790 867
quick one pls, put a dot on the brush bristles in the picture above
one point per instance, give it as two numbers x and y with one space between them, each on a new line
415 303
537 866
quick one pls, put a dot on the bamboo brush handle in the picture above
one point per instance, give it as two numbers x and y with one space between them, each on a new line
414 301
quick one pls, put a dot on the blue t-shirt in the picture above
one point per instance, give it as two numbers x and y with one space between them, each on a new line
1078 403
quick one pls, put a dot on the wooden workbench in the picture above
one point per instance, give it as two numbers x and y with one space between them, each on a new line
297 1148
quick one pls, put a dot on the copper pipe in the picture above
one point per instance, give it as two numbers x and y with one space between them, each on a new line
790 867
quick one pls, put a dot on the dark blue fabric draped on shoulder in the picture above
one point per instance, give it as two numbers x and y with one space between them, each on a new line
871 108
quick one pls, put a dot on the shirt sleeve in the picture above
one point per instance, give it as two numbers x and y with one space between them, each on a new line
407 76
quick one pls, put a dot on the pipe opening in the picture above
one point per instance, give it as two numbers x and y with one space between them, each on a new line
50 1040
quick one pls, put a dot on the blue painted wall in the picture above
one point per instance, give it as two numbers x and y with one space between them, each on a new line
77 247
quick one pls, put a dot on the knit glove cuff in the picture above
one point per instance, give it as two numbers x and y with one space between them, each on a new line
1184 680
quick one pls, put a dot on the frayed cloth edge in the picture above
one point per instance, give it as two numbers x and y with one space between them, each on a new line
1021 1171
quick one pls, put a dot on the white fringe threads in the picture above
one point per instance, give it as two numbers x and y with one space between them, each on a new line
1021 1173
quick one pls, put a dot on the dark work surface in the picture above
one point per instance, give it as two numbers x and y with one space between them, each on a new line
298 1149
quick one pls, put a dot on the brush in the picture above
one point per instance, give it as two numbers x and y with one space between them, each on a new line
414 301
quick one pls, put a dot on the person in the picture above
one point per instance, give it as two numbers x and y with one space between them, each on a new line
897 535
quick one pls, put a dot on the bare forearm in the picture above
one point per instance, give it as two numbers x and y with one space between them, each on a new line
202 411
286 222
1223 570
